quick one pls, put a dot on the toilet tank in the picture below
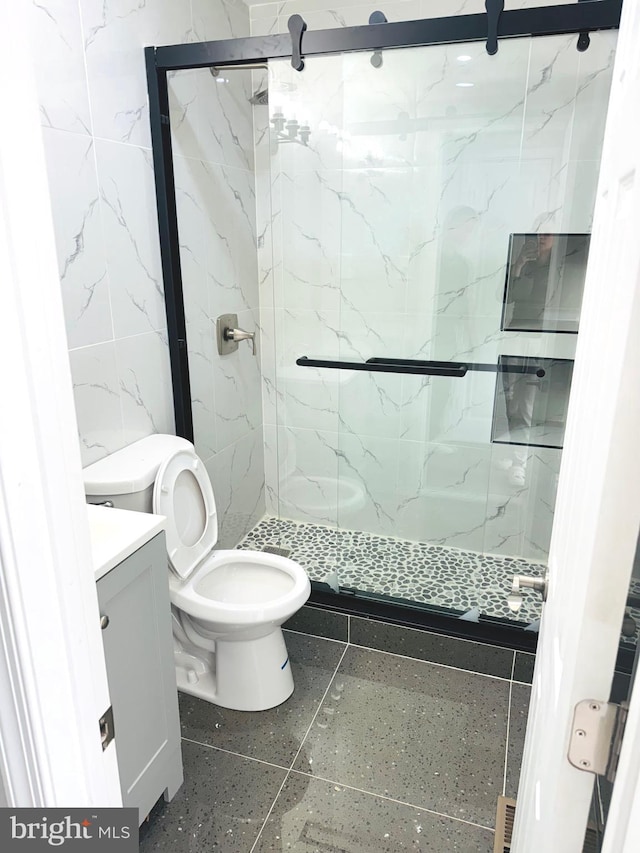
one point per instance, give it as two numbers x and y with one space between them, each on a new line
126 477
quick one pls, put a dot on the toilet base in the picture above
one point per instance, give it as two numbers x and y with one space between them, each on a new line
244 675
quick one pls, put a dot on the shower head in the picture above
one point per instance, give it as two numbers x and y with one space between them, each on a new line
260 98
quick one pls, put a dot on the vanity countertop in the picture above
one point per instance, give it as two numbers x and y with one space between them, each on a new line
117 533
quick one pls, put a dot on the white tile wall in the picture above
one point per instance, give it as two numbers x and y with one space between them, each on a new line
82 256
308 474
389 236
237 473
58 46
96 388
91 80
114 34
147 405
214 160
323 14
125 174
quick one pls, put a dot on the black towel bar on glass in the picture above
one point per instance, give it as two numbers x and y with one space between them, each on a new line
425 368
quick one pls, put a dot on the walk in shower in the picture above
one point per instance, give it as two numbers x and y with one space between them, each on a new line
406 230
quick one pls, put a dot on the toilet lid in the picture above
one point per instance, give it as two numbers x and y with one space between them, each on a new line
183 493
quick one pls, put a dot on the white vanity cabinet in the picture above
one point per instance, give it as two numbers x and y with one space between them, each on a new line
136 632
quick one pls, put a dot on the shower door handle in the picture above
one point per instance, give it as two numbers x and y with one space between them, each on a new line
389 365
421 367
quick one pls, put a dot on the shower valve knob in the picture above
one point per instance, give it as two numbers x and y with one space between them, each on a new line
241 335
228 335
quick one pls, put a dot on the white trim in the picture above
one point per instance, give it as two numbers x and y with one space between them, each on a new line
598 504
622 834
52 671
18 769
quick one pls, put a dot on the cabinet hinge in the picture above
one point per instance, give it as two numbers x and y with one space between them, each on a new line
107 732
596 736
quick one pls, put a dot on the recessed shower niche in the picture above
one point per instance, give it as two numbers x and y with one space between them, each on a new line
545 282
531 408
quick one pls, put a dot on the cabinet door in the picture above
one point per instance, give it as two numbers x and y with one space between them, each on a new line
139 656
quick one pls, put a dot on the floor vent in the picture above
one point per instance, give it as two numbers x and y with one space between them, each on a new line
591 840
275 549
505 817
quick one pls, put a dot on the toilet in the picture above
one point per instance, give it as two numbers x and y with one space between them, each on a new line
227 606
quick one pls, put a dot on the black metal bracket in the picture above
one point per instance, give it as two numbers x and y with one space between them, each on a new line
494 10
584 40
297 25
377 18
451 369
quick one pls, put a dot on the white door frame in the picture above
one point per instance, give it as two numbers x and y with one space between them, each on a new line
622 834
53 684
598 504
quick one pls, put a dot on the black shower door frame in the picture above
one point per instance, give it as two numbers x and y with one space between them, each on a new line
581 17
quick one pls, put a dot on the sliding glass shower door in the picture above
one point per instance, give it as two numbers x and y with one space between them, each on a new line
423 233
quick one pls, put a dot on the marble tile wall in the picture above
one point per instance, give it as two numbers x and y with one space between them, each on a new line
91 80
215 192
387 235
326 14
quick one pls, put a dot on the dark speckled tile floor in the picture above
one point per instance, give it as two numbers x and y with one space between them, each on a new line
373 752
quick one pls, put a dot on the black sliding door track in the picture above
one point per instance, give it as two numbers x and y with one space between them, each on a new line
579 17
542 21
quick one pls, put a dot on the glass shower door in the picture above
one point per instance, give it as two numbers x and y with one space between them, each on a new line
432 210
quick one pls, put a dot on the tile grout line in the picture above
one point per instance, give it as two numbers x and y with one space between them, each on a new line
506 746
394 800
474 643
433 663
324 696
315 636
288 773
348 642
431 633
231 752
264 823
506 750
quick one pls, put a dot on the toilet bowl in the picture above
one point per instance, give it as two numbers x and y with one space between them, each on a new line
227 606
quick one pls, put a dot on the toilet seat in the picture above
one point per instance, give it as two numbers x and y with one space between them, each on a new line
187 595
183 494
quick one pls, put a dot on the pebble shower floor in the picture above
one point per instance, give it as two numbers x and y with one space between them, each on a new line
414 571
